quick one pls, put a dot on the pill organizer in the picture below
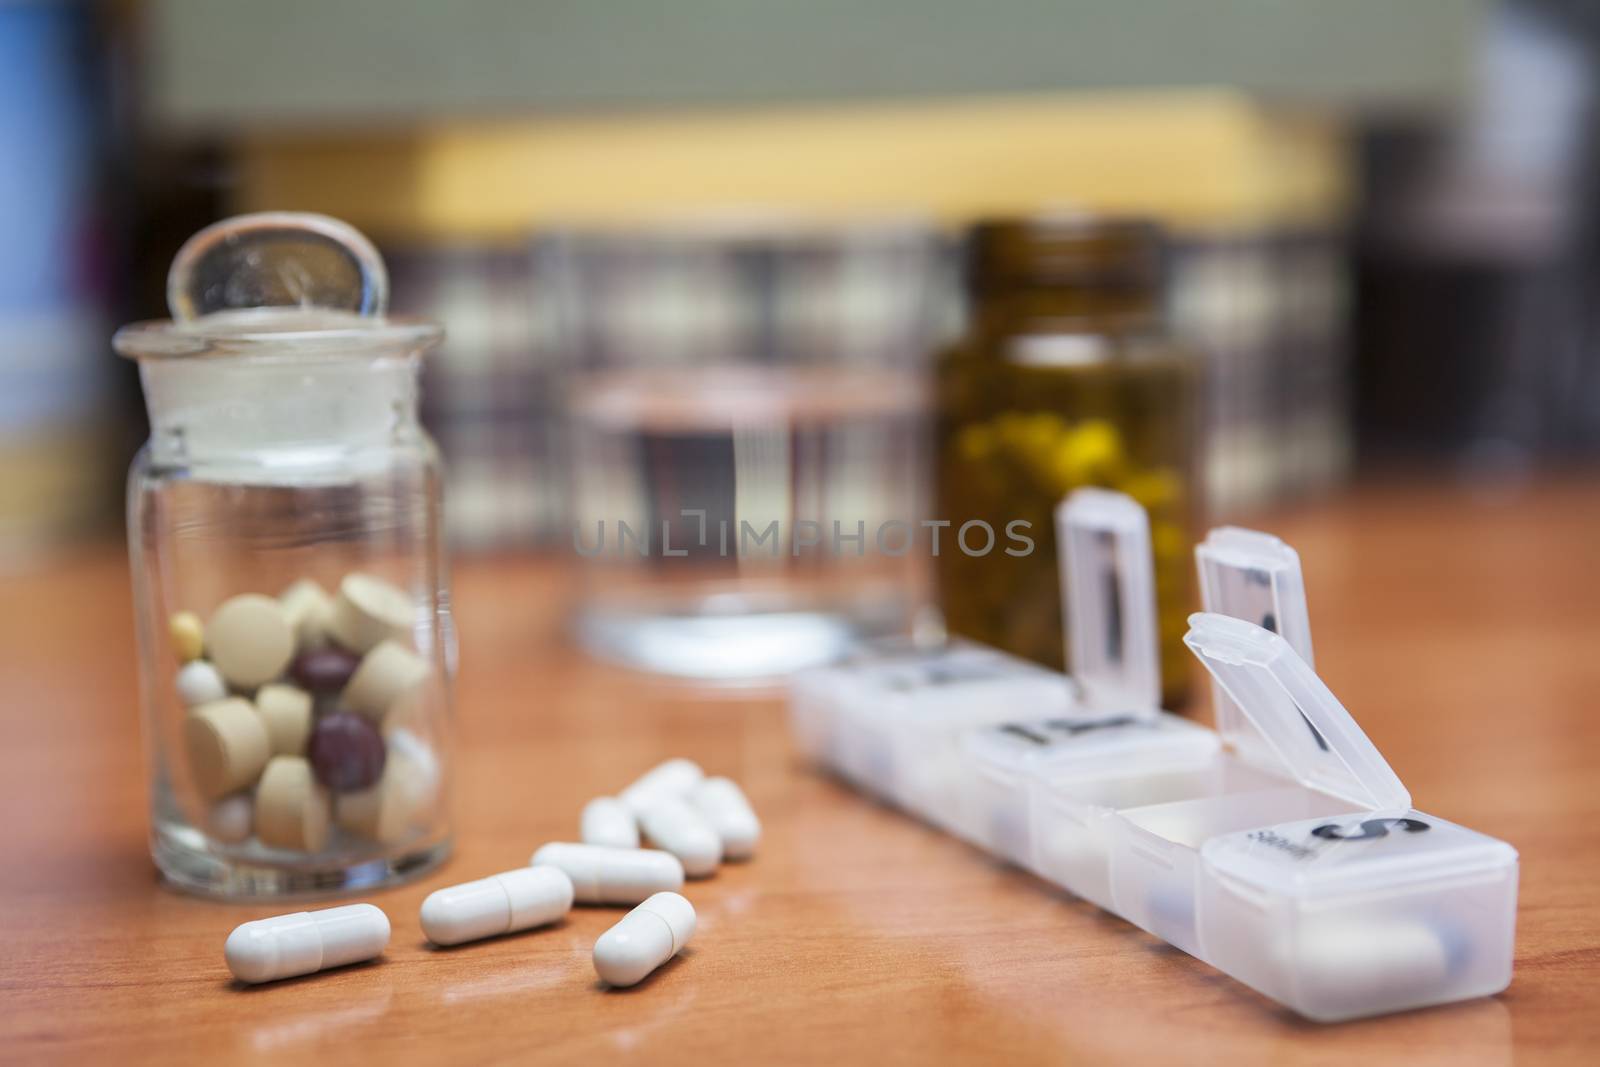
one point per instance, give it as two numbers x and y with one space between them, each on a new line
1038 791
886 722
1335 897
1280 848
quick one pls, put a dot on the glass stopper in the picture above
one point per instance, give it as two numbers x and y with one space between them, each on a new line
277 259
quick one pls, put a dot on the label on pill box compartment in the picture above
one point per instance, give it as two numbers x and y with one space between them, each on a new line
1330 846
946 668
1048 733
1094 735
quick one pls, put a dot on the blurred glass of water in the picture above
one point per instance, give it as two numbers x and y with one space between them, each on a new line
748 439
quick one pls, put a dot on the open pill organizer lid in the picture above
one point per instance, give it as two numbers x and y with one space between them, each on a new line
1302 722
1108 600
1253 576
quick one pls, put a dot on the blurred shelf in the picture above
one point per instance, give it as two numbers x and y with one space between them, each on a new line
227 64
1195 159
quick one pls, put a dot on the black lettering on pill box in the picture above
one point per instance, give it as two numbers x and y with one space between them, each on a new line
1074 727
1026 733
935 673
1035 733
1273 839
1371 829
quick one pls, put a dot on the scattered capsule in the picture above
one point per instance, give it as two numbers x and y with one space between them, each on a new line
603 875
200 683
647 937
608 821
725 807
498 904
286 946
671 823
673 778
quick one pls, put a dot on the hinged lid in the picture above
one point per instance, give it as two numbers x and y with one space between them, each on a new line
1302 722
1256 577
1108 599
1373 851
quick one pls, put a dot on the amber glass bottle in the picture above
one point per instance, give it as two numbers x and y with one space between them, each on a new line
1063 380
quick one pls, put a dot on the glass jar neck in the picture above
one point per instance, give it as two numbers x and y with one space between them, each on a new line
274 412
1067 309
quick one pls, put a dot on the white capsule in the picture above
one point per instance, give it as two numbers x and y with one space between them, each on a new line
726 808
603 875
608 821
673 778
1346 968
673 824
498 904
647 937
286 946
200 683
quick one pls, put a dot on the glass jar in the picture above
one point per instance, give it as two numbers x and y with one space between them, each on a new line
748 436
1063 380
295 640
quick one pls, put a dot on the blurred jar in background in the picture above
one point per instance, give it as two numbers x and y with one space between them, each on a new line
748 415
1063 380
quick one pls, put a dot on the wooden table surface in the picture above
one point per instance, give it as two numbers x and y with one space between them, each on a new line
1462 632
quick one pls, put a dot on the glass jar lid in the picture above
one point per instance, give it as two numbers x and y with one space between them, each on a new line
279 283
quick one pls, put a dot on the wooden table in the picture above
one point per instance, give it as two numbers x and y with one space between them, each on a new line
1463 632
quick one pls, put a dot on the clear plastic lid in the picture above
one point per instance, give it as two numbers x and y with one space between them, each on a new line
1105 742
1354 852
1253 576
1108 599
1303 724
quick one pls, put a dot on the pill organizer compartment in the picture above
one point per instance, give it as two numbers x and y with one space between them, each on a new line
1363 914
1038 791
1108 755
919 711
815 693
885 722
812 710
1305 735
1072 815
1155 850
1331 895
1108 600
1247 575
